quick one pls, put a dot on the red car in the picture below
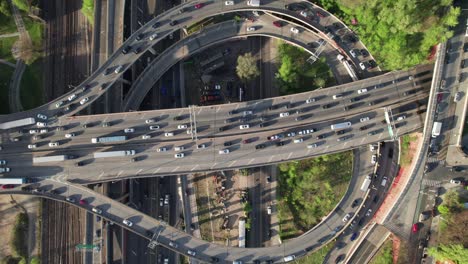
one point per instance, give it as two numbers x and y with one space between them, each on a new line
83 202
415 228
200 5
319 14
8 186
246 141
440 97
277 24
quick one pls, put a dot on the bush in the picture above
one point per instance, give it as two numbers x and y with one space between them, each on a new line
18 241
35 260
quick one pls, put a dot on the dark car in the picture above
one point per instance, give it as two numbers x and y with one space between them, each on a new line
371 103
214 259
321 136
340 132
227 144
325 106
126 49
137 50
376 199
183 9
353 236
355 203
280 143
363 128
260 146
277 24
156 25
371 64
364 53
140 36
320 14
340 258
173 23
79 164
361 221
149 234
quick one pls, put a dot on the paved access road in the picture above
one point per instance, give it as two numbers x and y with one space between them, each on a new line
102 78
209 121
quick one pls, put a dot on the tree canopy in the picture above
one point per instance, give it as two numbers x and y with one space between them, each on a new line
247 67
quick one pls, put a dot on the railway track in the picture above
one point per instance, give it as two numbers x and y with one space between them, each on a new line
66 63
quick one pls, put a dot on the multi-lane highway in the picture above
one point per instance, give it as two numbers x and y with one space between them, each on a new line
264 120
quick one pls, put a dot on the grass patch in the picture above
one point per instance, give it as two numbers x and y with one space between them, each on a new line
384 255
19 236
309 189
31 90
5 49
5 76
406 156
203 208
296 75
317 257
35 30
22 5
88 10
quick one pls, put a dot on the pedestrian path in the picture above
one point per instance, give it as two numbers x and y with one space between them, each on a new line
432 183
10 35
434 160
7 63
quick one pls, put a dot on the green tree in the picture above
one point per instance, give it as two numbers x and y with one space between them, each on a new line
247 67
443 209
35 260
23 261
456 253
320 82
5 8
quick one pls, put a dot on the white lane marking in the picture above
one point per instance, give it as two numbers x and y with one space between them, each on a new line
156 170
214 165
250 161
100 175
290 154
363 139
120 173
195 167
232 163
175 169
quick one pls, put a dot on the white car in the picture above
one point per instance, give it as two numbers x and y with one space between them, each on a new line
303 13
41 124
69 135
361 91
179 155
173 244
43 117
374 159
312 146
229 3
346 217
182 127
364 119
363 67
372 147
248 112
458 182
291 134
310 100
44 130
244 126
284 114
192 252
217 87
189 131
163 149
148 121
33 131
119 69
96 210
54 144
153 37
250 29
3 162
168 134
32 146
84 100
154 127
179 148
401 118
71 97
145 137
369 212
201 146
127 223
294 30
298 140
224 151
58 104
129 130
457 97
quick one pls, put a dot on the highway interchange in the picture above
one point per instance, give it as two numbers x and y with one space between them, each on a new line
405 92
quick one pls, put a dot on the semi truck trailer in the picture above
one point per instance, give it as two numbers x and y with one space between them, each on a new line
50 159
108 139
365 184
12 180
111 154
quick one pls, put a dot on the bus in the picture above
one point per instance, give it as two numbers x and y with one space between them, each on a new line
340 125
436 129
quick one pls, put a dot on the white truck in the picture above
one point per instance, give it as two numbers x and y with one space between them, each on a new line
253 2
340 125
12 180
108 139
49 159
436 129
18 123
111 154
365 184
